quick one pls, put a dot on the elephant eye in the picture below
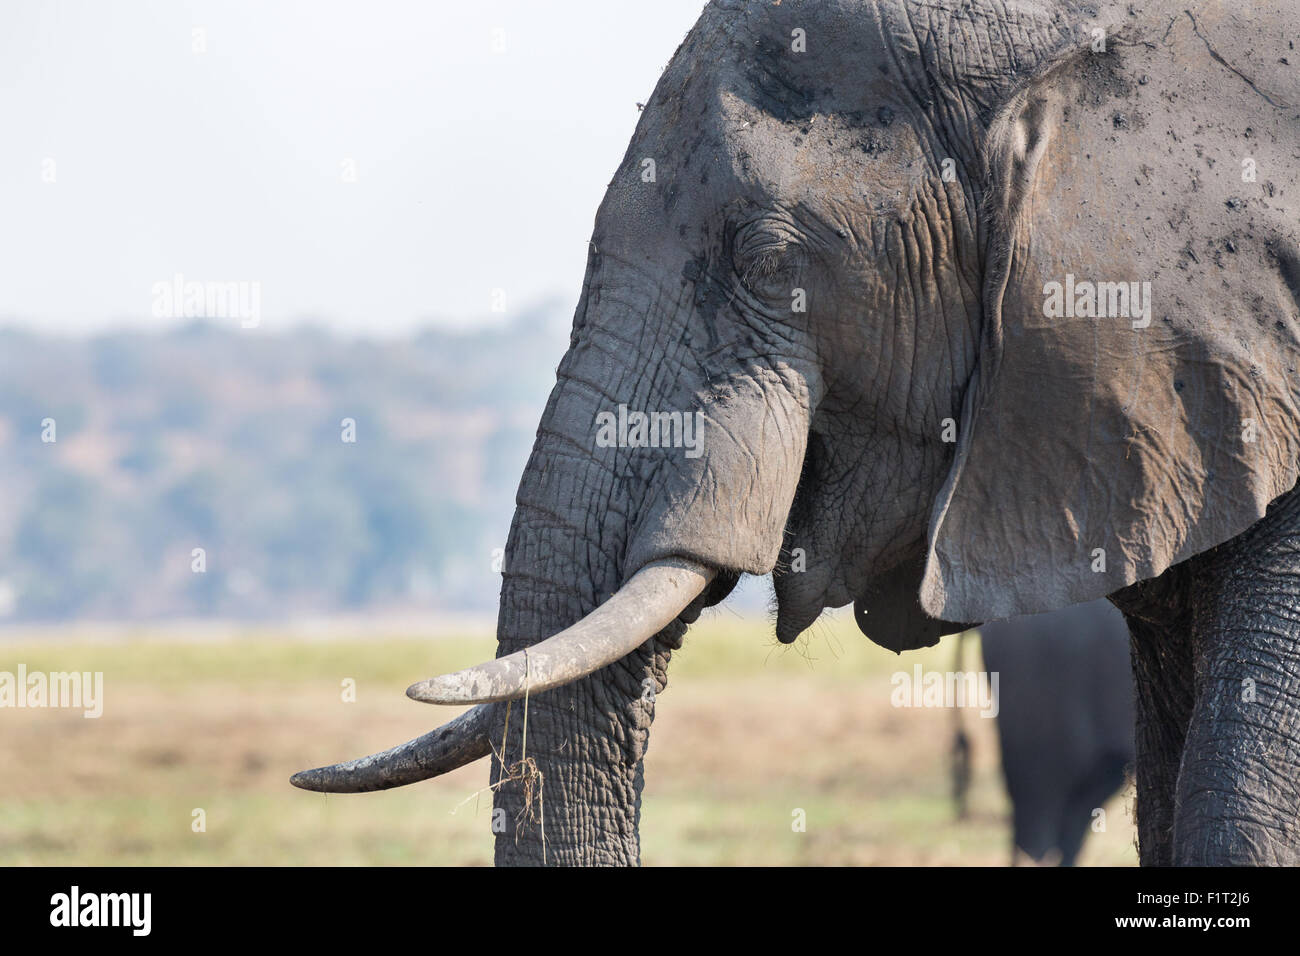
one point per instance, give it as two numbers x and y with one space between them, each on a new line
766 255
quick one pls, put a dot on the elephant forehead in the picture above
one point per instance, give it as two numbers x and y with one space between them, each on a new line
866 157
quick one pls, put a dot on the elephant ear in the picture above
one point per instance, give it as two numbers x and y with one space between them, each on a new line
1098 448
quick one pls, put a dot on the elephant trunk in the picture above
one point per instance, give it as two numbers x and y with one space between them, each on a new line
593 515
583 648
567 762
644 524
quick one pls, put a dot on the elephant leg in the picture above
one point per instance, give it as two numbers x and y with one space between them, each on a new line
1238 794
1160 649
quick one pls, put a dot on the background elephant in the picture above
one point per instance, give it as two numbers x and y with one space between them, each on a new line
1065 721
838 242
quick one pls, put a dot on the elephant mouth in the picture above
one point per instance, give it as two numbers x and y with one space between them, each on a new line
661 592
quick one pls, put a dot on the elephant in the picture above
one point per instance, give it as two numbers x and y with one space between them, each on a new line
981 308
1065 722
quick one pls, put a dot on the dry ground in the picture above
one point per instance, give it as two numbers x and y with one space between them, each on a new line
746 734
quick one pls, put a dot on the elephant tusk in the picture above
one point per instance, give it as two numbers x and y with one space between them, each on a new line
641 608
452 745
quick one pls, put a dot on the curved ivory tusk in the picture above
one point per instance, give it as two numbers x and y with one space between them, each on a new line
641 608
452 745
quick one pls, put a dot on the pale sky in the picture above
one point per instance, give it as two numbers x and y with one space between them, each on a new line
475 169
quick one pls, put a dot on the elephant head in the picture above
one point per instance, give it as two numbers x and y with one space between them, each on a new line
811 341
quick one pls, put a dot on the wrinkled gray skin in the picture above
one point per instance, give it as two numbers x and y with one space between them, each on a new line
823 171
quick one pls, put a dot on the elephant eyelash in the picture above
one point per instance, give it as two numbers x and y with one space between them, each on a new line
765 266
762 260
769 276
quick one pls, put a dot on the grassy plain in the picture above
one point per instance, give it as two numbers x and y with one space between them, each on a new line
747 733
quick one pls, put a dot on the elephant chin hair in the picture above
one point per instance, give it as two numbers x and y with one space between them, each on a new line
647 603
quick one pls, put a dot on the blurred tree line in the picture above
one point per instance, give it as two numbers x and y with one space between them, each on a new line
210 437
